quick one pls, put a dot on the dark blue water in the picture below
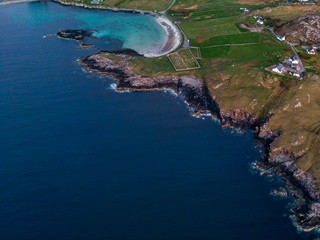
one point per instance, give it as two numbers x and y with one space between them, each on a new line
80 161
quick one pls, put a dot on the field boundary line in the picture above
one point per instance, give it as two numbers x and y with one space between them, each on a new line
236 44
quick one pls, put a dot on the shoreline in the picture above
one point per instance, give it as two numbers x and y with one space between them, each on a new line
305 212
3 3
173 35
173 38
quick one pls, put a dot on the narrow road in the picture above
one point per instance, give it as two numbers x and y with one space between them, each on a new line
186 42
165 11
303 69
236 44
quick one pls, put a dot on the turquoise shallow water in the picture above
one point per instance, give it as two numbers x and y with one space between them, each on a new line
128 29
79 161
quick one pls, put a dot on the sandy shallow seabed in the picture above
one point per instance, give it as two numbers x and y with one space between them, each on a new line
173 35
172 42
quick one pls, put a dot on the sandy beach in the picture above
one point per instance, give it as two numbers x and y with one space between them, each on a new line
173 38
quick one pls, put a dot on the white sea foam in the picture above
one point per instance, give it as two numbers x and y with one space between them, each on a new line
171 92
113 87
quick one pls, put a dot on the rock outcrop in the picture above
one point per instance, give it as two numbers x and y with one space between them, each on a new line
193 89
303 30
76 35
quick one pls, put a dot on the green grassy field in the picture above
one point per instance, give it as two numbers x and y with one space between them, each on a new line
150 67
188 58
177 61
230 39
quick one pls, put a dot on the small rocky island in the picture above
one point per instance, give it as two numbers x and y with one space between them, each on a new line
76 35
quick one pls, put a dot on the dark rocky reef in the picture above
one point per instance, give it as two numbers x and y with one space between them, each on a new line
125 51
305 213
85 45
281 192
76 35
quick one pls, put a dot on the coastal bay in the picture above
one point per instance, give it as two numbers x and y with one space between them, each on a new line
173 38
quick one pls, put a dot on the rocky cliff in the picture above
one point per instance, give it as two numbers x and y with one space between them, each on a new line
276 161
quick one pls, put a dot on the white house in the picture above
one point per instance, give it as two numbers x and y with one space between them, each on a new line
296 74
312 50
281 38
294 60
260 22
279 69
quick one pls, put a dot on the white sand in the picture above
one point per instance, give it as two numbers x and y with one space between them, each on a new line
172 42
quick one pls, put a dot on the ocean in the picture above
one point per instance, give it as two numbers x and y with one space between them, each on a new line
80 161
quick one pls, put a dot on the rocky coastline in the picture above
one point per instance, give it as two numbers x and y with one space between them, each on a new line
133 11
305 212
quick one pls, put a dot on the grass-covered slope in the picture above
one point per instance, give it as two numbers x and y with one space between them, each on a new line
233 62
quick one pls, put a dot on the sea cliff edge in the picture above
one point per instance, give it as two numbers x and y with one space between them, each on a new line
305 212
